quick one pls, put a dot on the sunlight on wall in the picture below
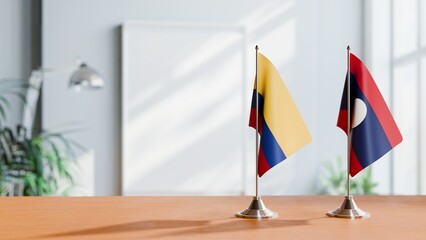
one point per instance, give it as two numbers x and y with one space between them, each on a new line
266 12
188 100
395 42
194 106
184 134
405 108
405 32
284 36
214 45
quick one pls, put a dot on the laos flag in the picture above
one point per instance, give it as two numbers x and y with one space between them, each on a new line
373 130
280 125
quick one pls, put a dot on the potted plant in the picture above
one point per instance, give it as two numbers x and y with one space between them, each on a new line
333 180
36 165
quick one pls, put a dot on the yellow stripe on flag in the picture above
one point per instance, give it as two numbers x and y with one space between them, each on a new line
280 111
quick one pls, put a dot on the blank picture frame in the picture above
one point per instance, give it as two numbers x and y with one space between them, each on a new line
184 105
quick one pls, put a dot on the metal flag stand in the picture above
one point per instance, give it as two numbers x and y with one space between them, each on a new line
348 209
257 208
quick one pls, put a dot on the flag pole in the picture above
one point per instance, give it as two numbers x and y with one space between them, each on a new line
257 127
348 87
257 208
348 209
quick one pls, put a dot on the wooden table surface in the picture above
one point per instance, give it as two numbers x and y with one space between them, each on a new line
392 217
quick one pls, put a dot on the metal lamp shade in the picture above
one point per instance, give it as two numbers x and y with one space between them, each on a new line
86 77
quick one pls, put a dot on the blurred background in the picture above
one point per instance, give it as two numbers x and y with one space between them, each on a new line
172 116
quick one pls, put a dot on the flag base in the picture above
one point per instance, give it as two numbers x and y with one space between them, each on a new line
348 209
257 209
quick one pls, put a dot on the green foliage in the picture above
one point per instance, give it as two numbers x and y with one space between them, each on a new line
35 166
334 180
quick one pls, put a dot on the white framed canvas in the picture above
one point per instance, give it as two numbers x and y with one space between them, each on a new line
184 109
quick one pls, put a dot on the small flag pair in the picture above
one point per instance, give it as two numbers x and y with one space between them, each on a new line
373 130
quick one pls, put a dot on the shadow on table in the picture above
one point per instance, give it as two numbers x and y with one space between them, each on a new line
198 226
238 225
130 227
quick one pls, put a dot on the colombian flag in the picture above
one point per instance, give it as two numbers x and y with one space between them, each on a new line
373 129
281 126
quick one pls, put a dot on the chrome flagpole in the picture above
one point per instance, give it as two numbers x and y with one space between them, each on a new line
257 208
349 122
348 209
257 127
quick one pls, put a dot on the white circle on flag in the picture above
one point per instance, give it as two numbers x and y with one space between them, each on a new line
360 112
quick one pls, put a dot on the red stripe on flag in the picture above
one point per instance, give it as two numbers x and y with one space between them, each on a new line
355 165
342 120
252 120
372 93
263 165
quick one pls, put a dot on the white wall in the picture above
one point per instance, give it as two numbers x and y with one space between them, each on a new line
393 26
378 53
305 39
15 48
340 23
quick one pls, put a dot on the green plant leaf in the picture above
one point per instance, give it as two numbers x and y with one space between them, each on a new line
334 179
44 159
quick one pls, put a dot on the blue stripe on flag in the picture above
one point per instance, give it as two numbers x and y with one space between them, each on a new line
369 140
272 151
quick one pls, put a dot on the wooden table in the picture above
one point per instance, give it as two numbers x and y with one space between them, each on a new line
392 217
